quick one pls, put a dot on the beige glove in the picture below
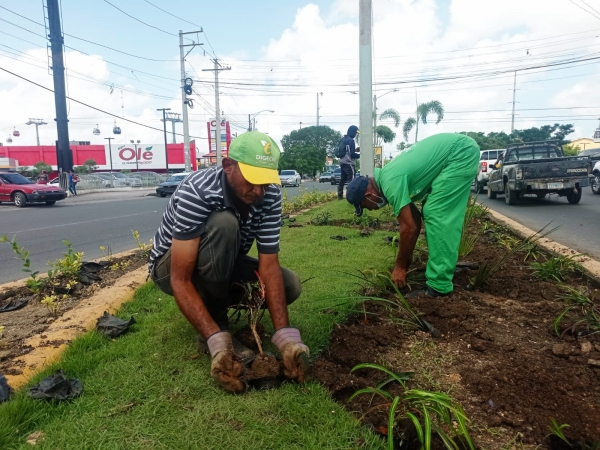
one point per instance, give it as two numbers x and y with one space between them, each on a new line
294 353
225 369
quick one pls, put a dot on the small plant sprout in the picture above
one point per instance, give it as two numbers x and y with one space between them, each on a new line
1 331
557 268
144 248
322 219
51 302
430 412
467 242
69 265
557 430
34 284
108 255
578 300
254 299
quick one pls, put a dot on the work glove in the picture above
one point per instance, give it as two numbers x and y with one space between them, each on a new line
296 365
225 368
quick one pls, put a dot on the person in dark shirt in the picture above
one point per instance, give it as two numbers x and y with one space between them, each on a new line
348 161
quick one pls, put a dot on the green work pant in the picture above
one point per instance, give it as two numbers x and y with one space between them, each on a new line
444 213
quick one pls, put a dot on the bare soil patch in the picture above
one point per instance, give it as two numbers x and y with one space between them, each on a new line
498 356
35 317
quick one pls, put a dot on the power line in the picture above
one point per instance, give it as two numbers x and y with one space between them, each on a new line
92 107
591 7
140 21
586 10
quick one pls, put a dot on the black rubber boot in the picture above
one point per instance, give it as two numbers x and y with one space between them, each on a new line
427 292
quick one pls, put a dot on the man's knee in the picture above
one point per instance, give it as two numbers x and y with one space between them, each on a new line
223 222
292 285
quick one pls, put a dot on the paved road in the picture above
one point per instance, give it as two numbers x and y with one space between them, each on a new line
579 224
87 222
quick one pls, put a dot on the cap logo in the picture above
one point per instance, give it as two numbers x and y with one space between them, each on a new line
266 147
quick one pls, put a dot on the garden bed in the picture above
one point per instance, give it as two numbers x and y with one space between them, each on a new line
35 317
498 355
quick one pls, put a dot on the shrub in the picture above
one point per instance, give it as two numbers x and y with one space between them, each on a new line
557 268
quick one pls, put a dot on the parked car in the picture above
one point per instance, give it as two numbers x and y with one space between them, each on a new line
150 178
335 177
537 168
325 176
120 180
20 190
595 178
171 185
486 159
290 178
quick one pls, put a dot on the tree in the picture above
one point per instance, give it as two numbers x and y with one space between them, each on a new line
39 166
493 140
384 134
570 150
90 164
423 110
319 137
391 113
303 158
403 146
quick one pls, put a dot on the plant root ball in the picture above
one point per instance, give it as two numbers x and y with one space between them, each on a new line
265 366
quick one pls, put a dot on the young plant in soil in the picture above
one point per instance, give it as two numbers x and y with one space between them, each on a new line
467 241
322 219
557 268
264 366
67 266
557 430
578 301
488 269
144 248
431 413
34 284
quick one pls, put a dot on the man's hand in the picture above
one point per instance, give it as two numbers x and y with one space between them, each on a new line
294 353
399 277
225 369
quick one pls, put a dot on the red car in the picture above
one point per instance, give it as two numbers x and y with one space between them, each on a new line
20 190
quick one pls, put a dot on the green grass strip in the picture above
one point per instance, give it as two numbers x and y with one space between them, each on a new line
150 389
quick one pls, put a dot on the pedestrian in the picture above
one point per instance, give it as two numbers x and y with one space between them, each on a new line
439 171
43 177
73 180
348 160
200 253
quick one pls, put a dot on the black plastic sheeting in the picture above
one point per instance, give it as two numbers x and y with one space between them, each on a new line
5 389
112 326
13 305
57 387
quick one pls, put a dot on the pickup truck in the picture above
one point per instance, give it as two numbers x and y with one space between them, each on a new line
537 168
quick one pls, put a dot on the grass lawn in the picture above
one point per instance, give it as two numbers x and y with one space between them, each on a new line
151 389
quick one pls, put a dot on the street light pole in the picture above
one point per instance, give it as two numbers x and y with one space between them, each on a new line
110 152
165 135
137 169
254 118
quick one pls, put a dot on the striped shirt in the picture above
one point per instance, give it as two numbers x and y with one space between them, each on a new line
203 192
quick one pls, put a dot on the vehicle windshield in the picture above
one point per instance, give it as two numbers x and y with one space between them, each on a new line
590 152
528 153
326 173
14 178
287 172
338 170
106 176
119 175
175 178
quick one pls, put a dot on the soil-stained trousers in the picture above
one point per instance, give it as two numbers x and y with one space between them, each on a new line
444 212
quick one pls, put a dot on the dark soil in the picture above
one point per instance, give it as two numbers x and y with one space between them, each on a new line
498 356
265 366
35 318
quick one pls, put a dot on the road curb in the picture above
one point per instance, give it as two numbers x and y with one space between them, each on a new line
591 265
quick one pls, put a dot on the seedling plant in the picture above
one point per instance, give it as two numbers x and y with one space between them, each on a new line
430 412
578 300
254 299
323 219
34 284
557 430
557 268
144 248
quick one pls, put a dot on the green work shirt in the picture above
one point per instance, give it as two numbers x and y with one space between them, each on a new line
408 177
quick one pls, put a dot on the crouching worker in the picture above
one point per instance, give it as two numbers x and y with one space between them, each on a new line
200 252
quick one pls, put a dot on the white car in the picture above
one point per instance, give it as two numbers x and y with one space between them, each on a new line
595 180
290 178
486 158
121 179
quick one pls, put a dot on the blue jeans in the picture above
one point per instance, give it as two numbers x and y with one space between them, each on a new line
72 188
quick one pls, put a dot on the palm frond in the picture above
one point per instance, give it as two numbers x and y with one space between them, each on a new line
391 113
408 126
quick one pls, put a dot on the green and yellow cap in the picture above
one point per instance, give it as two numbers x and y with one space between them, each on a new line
258 157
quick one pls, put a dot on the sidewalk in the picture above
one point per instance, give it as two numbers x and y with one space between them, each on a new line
111 194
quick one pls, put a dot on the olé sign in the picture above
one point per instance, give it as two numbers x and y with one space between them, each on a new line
146 156
129 156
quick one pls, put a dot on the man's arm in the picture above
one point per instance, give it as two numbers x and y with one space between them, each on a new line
183 263
270 274
410 227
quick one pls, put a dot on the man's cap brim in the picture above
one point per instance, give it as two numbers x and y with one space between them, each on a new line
259 175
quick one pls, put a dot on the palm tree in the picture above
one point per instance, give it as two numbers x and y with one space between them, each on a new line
423 110
391 113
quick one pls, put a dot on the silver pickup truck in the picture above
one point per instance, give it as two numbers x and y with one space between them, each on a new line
538 168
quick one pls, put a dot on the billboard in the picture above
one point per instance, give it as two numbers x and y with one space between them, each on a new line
142 156
225 136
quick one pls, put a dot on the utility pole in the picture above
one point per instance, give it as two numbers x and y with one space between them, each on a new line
136 143
187 155
217 68
374 121
318 107
417 116
37 123
184 100
110 152
512 123
173 118
249 123
64 156
367 161
300 125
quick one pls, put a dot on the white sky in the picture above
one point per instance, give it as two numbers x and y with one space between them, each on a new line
318 52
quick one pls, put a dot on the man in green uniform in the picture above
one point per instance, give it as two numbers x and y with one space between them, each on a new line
438 170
